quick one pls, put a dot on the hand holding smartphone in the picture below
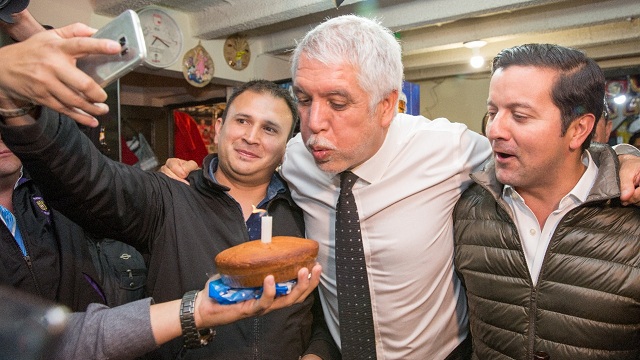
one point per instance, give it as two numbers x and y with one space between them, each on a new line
125 29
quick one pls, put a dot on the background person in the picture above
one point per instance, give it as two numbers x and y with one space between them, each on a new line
44 253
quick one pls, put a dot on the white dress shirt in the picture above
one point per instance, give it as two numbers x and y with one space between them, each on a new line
535 241
405 196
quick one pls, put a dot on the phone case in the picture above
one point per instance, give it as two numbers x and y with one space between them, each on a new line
125 29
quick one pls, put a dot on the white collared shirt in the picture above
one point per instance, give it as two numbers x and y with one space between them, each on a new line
405 196
535 240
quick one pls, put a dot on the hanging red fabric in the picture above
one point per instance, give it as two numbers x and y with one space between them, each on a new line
187 140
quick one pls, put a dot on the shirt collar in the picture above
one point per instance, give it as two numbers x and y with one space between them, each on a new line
22 179
275 187
577 195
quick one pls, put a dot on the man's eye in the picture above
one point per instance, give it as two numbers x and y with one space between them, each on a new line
338 106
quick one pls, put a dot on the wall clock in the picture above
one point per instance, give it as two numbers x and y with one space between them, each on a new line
162 36
237 52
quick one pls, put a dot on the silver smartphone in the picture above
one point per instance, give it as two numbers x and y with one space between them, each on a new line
125 29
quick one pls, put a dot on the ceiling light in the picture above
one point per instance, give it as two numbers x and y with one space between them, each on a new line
476 61
475 44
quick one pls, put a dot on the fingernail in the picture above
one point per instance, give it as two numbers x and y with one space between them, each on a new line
102 106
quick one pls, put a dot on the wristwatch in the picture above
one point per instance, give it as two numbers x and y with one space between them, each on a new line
193 338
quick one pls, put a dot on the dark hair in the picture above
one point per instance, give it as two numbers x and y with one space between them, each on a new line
634 137
579 88
265 87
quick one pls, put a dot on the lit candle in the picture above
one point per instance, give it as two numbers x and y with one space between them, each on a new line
265 226
266 229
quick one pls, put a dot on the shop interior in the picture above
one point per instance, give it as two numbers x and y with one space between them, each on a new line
447 47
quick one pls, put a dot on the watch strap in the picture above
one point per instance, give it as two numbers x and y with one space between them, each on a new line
192 337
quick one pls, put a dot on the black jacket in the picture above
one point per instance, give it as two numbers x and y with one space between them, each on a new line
58 265
181 227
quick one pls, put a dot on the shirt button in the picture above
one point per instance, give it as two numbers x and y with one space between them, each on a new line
532 232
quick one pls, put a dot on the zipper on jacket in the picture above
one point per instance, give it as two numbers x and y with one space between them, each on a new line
27 260
533 307
26 257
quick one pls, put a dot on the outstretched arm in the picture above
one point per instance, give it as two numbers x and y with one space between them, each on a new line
130 330
166 323
23 27
42 70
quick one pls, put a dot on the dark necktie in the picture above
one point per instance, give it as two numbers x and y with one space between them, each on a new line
354 302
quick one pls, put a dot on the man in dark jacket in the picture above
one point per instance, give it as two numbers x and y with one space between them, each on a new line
183 227
548 255
42 252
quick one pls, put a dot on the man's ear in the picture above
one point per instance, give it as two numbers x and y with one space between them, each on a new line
580 129
388 108
217 127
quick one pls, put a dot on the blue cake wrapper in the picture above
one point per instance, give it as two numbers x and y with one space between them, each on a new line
227 295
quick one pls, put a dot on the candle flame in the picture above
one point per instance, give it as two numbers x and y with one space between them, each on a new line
255 210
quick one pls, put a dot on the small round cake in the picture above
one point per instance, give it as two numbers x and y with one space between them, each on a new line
247 264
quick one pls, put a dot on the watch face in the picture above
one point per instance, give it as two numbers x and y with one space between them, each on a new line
162 36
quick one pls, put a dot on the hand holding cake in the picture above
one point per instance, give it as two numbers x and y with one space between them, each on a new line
211 314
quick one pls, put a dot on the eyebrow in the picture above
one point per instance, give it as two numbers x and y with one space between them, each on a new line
338 92
268 122
512 105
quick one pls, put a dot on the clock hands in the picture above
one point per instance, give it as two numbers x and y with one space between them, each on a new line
155 38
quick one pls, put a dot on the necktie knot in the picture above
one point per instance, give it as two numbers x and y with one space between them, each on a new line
347 180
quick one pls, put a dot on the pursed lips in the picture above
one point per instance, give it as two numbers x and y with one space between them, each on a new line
320 153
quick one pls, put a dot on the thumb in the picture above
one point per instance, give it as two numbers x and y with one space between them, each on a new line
625 193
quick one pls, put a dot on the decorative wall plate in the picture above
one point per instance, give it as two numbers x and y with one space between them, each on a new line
197 66
237 52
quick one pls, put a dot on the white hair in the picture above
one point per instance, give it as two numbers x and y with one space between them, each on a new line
363 43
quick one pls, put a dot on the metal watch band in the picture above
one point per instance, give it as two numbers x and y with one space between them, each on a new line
192 337
11 113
